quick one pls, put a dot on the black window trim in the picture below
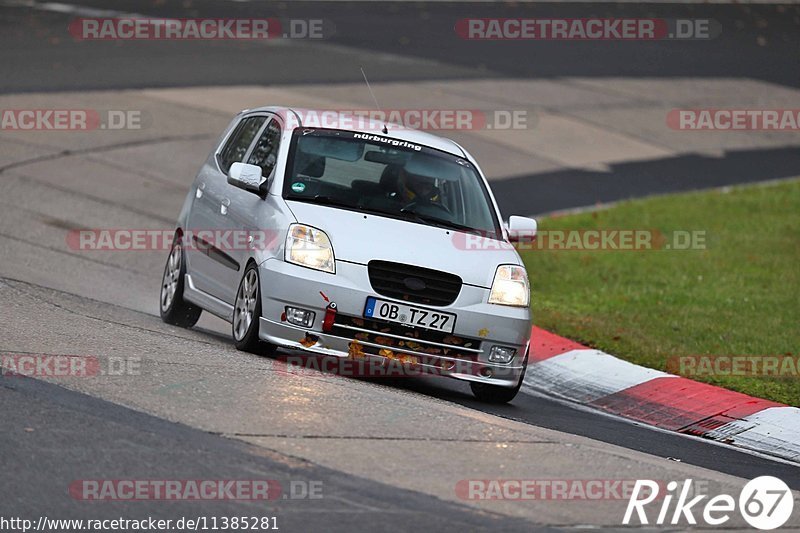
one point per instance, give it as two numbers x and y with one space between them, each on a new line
270 117
218 153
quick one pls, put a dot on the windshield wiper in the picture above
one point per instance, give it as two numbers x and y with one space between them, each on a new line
426 219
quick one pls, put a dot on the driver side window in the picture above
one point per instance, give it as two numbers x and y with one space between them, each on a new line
239 141
265 152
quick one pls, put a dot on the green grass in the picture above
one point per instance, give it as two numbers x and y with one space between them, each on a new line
739 296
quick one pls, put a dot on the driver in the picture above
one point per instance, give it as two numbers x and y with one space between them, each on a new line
416 188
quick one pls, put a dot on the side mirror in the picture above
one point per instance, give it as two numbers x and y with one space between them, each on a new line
521 229
247 177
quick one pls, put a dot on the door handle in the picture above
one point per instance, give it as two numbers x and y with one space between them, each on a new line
200 188
224 205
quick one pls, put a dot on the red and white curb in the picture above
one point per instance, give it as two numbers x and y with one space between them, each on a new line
567 370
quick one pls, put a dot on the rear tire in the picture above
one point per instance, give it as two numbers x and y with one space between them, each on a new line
246 315
174 309
495 393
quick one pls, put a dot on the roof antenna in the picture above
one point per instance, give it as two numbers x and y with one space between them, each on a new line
377 107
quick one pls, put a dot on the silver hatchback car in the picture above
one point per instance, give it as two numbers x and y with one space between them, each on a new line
371 243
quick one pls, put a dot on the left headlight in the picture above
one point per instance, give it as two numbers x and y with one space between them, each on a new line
510 286
309 247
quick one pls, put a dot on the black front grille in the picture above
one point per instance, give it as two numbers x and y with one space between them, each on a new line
397 337
413 284
379 327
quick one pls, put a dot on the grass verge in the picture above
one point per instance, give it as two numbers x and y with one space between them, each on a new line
739 296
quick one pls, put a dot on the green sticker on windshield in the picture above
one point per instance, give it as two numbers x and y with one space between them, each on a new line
298 187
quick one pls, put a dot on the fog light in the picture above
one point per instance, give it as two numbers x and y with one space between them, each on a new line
299 317
501 354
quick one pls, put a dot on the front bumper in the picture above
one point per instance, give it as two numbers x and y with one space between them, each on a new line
479 325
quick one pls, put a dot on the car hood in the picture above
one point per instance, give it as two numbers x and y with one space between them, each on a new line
360 237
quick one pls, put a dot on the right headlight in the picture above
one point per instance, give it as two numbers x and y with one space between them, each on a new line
309 247
510 286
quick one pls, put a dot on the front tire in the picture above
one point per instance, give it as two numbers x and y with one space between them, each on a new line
246 314
174 309
495 393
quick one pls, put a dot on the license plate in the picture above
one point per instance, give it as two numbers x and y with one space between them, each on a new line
409 315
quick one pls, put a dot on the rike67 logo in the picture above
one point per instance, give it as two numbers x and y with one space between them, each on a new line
765 503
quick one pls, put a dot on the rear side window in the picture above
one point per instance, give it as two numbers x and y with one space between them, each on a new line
265 151
239 141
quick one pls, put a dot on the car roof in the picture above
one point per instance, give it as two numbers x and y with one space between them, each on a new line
345 121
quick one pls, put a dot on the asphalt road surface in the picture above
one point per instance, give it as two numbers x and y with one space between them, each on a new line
756 41
388 455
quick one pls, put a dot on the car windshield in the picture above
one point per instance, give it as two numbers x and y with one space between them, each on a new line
391 177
